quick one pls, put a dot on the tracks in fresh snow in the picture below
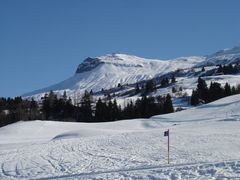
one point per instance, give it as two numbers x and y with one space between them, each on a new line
136 154
199 168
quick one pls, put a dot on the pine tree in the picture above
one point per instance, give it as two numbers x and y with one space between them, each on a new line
91 92
115 111
86 107
194 98
100 112
173 79
33 109
220 69
230 69
110 111
137 89
138 110
129 111
168 107
151 108
150 86
202 89
233 90
68 109
174 89
215 91
46 107
164 82
227 90
64 96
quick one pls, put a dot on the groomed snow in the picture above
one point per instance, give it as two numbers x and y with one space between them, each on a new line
205 144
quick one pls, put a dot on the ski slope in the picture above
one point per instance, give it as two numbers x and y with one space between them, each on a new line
205 144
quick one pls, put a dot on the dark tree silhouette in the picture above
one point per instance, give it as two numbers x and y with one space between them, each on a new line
167 106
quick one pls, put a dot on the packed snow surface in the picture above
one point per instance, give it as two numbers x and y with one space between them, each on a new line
204 144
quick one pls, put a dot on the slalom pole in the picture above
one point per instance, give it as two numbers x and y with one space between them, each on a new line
168 144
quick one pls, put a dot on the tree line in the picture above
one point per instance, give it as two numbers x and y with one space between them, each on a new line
80 109
204 94
228 69
151 85
15 109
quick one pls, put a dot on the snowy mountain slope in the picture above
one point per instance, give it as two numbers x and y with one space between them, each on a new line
230 111
225 56
204 145
190 83
107 71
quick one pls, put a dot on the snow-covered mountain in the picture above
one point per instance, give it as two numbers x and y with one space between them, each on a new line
108 71
225 56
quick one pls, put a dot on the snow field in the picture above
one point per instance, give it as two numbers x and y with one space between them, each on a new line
204 144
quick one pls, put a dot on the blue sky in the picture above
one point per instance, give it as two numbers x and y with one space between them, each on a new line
43 41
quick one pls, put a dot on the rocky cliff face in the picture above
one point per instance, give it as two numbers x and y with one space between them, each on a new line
88 65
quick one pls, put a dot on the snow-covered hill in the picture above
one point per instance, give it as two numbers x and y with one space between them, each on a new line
204 145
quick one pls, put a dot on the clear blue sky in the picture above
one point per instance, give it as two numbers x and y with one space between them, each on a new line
43 41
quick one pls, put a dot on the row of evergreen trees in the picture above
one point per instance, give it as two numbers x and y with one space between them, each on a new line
83 109
54 107
15 109
151 85
228 69
146 107
204 94
108 110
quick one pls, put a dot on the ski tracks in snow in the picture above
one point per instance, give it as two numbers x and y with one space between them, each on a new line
137 155
215 170
80 155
